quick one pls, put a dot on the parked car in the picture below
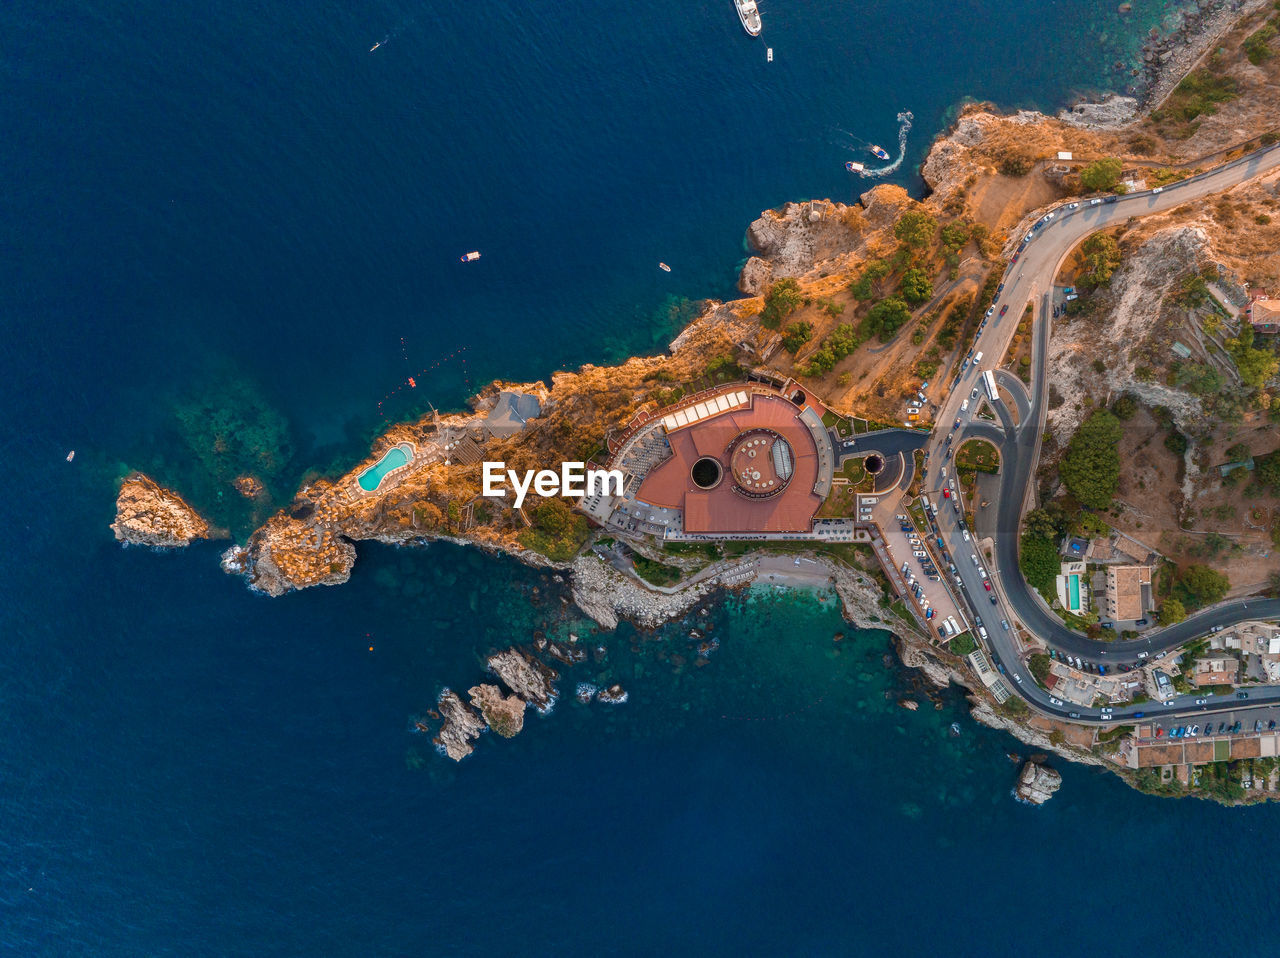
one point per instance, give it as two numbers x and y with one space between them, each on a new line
1094 202
1143 655
1004 309
1072 206
986 584
1158 189
1005 624
1242 695
994 600
1202 701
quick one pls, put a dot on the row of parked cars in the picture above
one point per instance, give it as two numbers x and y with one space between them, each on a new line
1191 731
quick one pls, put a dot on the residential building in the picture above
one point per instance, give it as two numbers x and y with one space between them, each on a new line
1215 670
1128 593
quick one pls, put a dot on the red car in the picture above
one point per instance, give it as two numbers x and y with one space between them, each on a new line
946 493
986 585
1004 309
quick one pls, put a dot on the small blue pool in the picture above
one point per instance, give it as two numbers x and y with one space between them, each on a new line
394 458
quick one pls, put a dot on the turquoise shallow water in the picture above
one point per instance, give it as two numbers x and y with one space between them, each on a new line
238 228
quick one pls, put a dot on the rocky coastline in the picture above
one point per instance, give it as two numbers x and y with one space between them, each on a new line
1165 58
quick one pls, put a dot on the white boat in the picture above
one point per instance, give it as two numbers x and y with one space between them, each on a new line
768 54
664 267
71 455
471 257
749 14
853 167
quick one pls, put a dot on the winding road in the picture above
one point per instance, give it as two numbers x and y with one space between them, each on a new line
1029 279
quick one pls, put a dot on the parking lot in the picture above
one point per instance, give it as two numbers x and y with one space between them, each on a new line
902 550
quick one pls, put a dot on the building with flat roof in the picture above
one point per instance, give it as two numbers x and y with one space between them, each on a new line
1264 312
742 460
1128 593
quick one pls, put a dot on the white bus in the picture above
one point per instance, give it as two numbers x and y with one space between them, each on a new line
989 380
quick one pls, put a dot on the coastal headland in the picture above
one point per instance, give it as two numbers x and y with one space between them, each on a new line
851 311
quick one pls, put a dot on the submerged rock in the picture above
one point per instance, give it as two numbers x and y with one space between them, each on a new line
1036 784
461 726
149 515
526 676
505 715
909 704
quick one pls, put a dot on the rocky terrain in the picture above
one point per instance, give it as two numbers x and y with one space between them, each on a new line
149 515
1037 783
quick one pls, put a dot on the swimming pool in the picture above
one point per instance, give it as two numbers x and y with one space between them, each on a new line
392 459
1073 583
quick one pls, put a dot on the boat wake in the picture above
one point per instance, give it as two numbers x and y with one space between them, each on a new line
876 172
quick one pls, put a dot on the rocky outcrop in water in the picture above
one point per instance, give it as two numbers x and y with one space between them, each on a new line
1036 784
149 515
526 676
503 714
461 726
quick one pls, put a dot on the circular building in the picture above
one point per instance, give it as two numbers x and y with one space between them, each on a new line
761 463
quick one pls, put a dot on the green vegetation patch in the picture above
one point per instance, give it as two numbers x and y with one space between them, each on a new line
781 300
1038 560
557 531
655 572
1091 467
978 455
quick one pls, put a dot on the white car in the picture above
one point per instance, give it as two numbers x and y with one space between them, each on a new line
965 533
1143 655
1158 189
1073 206
1094 202
1053 701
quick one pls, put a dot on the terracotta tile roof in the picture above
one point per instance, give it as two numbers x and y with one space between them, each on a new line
723 509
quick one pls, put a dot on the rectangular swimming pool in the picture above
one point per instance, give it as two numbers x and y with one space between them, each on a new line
1073 585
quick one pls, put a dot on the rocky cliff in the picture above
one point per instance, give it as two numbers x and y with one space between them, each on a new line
149 515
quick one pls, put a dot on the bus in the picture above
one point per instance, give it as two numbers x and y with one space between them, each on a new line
989 380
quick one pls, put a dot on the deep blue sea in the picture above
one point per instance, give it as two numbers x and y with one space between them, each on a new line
204 201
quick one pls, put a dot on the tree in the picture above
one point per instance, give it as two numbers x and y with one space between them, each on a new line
886 318
1256 366
1125 408
955 235
796 335
1039 665
1101 257
781 300
1101 175
916 286
1091 466
1199 585
1172 612
1043 524
915 228
864 287
1038 560
1266 470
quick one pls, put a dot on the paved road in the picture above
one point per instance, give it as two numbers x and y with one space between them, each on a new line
1029 279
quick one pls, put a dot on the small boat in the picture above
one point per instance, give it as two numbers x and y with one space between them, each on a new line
412 384
471 257
71 455
879 152
955 729
379 43
749 14
768 54
664 267
853 167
